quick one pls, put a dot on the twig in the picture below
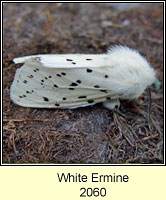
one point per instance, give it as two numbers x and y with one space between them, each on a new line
21 120
150 137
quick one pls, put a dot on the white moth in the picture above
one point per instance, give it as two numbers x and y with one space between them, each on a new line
78 80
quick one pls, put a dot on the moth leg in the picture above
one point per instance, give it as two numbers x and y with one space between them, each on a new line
112 104
140 100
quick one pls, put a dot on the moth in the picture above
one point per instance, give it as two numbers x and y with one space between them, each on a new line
79 80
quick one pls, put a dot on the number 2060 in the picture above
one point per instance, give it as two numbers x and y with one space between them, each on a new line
96 192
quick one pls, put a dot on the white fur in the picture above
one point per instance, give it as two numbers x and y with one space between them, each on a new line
122 73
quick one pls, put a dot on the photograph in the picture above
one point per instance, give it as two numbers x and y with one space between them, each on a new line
83 83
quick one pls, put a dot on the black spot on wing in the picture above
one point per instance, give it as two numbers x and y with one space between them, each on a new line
90 101
25 81
45 99
82 97
78 81
22 96
57 104
73 84
69 59
106 76
55 86
89 70
35 70
29 92
96 86
88 59
63 73
30 76
104 91
58 75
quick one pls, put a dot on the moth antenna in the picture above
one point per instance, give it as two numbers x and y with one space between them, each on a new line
149 105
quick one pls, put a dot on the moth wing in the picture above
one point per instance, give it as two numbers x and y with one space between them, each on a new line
36 85
68 60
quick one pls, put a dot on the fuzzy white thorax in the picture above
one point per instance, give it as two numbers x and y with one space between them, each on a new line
132 73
